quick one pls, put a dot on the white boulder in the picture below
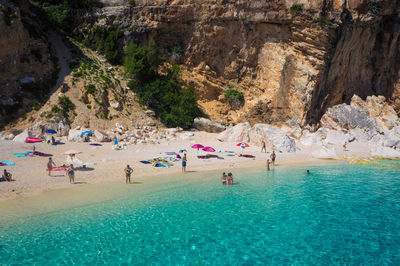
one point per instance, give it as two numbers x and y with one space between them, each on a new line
22 136
76 136
281 141
310 139
385 152
207 125
101 136
325 152
238 133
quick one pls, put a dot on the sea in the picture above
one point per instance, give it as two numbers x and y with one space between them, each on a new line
338 214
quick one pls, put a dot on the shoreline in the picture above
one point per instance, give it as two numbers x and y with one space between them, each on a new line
105 165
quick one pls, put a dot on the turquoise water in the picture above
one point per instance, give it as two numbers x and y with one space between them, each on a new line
339 214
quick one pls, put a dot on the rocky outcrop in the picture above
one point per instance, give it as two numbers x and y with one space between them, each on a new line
325 152
207 125
237 133
22 136
25 60
290 65
101 136
275 138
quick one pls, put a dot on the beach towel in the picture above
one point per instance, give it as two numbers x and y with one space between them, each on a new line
230 155
58 169
181 151
145 162
8 163
21 154
95 144
247 156
2 164
170 153
159 165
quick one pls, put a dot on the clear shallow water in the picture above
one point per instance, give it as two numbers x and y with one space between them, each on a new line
339 214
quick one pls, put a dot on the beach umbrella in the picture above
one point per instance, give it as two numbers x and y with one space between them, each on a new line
89 133
33 140
209 149
71 152
242 145
50 131
197 146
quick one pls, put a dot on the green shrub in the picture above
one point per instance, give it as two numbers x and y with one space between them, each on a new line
49 116
230 86
322 21
91 89
35 105
107 42
163 93
296 8
235 98
65 105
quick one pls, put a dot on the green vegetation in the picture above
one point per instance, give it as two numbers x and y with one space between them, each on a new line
8 15
35 105
230 86
322 21
164 93
106 41
234 97
91 89
59 12
65 105
296 8
373 7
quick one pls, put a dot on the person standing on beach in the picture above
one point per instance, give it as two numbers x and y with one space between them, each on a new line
184 161
273 157
268 165
71 174
50 165
264 148
128 171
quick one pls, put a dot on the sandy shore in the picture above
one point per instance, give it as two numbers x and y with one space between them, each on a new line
106 165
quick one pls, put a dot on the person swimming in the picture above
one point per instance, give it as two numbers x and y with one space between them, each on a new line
223 178
308 172
230 179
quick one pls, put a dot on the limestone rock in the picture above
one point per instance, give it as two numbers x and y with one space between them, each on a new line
101 136
346 117
310 139
22 136
76 136
207 125
280 140
238 133
325 152
385 152
9 137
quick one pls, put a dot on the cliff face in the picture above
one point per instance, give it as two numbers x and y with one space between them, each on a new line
291 64
24 58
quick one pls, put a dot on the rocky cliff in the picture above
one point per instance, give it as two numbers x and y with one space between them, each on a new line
291 59
25 59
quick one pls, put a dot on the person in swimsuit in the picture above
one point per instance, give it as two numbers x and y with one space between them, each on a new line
264 148
268 165
223 178
273 157
7 176
230 179
128 171
71 174
184 160
50 165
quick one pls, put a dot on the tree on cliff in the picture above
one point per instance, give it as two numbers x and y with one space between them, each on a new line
162 91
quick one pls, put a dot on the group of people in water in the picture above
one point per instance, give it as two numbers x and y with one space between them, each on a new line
227 179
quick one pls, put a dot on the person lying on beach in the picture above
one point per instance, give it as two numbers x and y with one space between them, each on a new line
230 179
7 176
223 178
50 165
128 171
71 174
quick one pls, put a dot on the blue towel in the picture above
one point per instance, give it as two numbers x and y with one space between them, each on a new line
8 163
145 162
21 154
